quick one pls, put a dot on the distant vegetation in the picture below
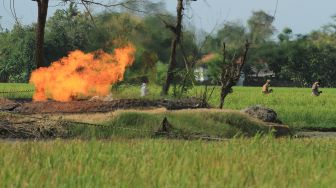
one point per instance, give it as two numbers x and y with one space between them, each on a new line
292 57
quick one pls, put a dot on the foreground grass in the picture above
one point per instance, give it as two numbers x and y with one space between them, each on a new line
295 106
257 162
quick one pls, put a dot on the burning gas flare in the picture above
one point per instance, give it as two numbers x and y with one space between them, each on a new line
81 75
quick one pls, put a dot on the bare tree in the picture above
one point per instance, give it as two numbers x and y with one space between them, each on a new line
230 73
177 32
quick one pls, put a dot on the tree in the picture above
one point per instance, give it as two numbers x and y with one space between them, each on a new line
16 59
285 35
42 7
260 32
177 31
260 27
230 72
233 34
65 31
42 10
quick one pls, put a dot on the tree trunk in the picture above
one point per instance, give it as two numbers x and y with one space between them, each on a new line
224 72
176 39
231 74
225 90
41 20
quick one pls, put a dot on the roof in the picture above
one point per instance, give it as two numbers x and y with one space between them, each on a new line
207 58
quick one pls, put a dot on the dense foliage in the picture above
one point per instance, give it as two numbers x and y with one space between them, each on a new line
72 29
295 58
301 59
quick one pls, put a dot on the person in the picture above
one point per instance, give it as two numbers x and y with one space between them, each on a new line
265 87
315 88
143 89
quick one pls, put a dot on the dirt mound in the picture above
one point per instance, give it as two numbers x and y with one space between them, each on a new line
7 105
100 106
23 127
270 117
262 113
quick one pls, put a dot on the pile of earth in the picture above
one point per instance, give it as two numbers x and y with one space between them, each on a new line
15 126
38 120
268 116
263 113
8 105
86 106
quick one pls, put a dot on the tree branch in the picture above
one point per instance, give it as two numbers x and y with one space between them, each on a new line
168 25
89 12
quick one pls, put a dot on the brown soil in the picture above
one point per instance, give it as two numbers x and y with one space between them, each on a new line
97 106
24 127
315 134
48 119
8 105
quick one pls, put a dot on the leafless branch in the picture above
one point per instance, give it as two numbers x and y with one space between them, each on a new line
167 25
275 10
107 4
12 11
89 12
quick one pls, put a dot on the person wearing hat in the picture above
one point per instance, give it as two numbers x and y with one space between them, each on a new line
315 88
265 87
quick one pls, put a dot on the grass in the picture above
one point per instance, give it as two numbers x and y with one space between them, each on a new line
257 162
16 90
295 106
185 123
239 162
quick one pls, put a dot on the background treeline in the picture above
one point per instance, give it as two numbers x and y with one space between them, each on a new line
294 58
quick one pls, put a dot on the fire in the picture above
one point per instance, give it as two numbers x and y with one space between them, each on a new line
81 75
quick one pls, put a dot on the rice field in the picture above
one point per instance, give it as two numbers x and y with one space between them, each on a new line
295 106
256 162
16 90
260 161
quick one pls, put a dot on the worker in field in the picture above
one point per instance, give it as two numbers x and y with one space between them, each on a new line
315 88
143 89
266 87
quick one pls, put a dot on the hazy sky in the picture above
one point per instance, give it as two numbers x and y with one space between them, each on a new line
302 16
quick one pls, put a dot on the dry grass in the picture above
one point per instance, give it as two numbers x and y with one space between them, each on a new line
98 117
103 117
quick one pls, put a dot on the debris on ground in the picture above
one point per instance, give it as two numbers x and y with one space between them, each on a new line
8 105
102 98
263 113
22 127
87 106
165 127
270 117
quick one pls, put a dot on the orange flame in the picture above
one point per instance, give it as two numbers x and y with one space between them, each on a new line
81 75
